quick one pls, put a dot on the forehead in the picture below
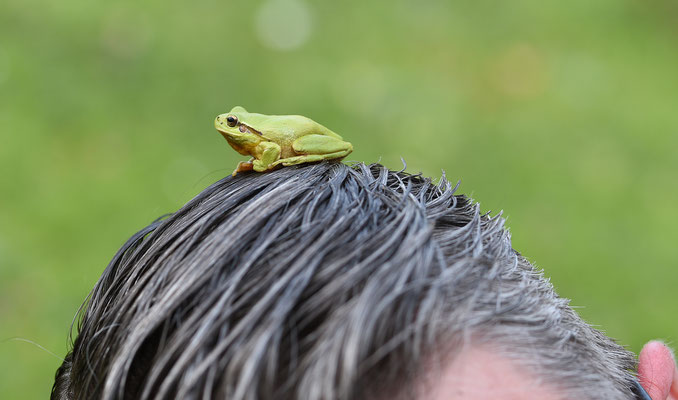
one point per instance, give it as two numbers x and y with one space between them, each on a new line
478 374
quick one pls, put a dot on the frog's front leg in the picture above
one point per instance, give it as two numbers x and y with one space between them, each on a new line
270 153
317 148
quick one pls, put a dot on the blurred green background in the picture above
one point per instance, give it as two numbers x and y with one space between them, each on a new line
562 114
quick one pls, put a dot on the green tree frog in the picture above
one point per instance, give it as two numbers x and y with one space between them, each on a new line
274 140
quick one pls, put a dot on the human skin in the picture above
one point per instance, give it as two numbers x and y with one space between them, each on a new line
478 373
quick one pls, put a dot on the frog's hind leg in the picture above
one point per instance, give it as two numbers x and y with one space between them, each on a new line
317 148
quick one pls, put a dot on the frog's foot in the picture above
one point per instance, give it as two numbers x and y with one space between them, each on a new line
316 148
243 166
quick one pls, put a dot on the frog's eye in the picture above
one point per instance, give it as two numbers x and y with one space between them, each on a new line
231 120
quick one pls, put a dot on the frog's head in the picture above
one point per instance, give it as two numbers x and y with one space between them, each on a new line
234 128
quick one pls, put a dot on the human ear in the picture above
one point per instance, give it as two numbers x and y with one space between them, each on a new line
657 371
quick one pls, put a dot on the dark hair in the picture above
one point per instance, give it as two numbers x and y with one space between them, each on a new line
323 281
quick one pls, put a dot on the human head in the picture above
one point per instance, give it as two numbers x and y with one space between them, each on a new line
327 282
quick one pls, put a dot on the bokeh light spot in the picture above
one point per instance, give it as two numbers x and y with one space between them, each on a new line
283 24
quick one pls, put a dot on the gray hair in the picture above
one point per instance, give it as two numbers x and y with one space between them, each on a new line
323 282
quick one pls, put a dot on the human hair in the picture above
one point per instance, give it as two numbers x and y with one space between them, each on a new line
322 282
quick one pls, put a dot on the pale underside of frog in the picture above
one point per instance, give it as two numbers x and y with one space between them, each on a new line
278 140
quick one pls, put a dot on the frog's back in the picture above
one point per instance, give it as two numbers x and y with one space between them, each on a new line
298 125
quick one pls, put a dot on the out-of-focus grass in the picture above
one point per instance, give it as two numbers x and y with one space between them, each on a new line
561 114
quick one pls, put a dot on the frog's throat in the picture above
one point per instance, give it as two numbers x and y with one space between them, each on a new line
243 147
